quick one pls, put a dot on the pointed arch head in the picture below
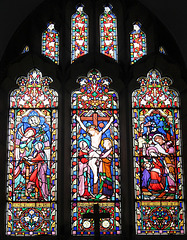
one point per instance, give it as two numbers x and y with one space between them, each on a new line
79 7
51 27
96 88
34 92
137 26
153 84
108 7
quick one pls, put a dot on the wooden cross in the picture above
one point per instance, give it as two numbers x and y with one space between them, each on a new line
95 119
96 216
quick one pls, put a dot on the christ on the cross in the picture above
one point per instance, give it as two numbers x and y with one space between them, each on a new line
95 152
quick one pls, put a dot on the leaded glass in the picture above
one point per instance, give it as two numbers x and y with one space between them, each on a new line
79 44
50 43
108 33
26 49
157 157
162 50
138 46
95 154
32 158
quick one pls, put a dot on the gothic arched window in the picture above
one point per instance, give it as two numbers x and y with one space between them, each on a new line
157 157
108 33
50 43
138 46
95 155
79 33
32 157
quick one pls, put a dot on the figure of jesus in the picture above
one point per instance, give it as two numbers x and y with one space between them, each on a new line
95 151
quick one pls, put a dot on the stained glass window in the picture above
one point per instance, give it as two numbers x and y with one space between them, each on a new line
26 49
95 155
138 46
50 43
162 50
79 44
158 172
32 158
108 32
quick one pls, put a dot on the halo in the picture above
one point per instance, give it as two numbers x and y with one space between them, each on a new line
84 140
102 141
41 143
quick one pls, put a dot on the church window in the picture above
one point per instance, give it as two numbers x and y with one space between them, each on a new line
157 157
50 43
26 49
79 44
108 33
138 46
32 158
162 50
95 155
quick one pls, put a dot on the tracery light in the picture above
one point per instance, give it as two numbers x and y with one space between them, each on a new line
50 43
138 47
26 49
32 158
108 33
162 50
95 154
79 32
157 157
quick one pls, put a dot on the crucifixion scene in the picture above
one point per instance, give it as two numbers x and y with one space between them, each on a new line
95 156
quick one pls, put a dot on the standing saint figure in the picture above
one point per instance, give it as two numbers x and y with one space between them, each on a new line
84 169
106 189
38 178
95 151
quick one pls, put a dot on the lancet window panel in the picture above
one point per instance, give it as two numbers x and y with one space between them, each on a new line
108 33
79 42
32 158
138 45
158 172
95 155
50 43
